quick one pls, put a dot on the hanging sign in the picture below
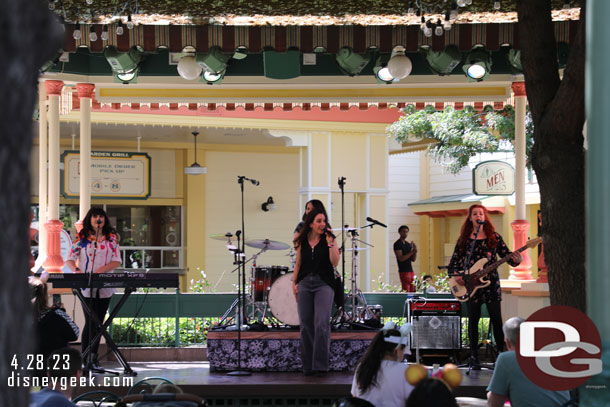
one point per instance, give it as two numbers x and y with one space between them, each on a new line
493 178
114 175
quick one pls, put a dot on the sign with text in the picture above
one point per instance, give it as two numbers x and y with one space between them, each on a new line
114 174
493 178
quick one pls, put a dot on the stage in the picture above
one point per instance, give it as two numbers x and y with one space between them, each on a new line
279 350
262 388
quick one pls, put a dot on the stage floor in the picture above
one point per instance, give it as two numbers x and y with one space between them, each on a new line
260 388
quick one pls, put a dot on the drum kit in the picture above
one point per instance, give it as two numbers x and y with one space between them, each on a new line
269 299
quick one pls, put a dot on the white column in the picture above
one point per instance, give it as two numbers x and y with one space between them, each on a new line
54 261
520 225
85 94
520 153
43 155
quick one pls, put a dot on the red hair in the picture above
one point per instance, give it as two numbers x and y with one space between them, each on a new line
467 229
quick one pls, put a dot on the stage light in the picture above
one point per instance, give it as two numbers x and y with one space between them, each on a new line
350 62
213 78
214 61
381 71
443 62
188 68
478 64
399 65
125 65
514 59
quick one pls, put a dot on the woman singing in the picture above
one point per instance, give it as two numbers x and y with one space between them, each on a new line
488 244
95 251
313 280
309 206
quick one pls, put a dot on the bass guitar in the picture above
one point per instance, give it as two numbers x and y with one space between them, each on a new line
477 273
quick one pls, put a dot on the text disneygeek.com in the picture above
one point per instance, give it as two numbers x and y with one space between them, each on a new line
63 383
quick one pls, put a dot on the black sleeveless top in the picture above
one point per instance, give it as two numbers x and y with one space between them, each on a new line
316 261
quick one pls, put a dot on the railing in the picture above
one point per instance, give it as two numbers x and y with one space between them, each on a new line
173 319
145 257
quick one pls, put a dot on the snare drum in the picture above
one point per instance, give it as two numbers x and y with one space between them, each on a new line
282 301
263 279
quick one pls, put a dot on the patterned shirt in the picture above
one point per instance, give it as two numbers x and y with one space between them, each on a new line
105 251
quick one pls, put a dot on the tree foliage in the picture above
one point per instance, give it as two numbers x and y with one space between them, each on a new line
458 135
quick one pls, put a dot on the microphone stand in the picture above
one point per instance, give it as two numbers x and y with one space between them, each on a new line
89 356
240 316
466 278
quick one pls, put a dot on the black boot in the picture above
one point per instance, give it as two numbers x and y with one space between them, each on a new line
474 362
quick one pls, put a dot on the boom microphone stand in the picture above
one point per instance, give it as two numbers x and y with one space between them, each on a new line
466 278
88 355
241 314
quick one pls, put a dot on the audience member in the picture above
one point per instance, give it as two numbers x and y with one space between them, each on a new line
62 365
380 376
55 328
432 392
509 381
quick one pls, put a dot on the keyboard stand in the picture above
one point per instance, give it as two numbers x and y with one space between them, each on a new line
101 329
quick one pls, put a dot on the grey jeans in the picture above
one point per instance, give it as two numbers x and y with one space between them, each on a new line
314 300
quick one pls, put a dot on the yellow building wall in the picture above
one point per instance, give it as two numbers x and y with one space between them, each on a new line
320 159
349 159
219 209
194 222
378 236
378 158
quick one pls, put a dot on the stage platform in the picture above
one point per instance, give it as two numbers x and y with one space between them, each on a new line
260 388
279 350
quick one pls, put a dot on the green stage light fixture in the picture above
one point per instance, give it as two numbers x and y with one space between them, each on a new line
443 62
214 64
214 60
514 59
350 62
125 65
478 64
213 78
381 71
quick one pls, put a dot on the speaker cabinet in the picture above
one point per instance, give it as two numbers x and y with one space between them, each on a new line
435 332
436 323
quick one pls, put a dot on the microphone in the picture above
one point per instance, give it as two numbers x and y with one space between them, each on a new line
376 222
480 222
99 221
241 179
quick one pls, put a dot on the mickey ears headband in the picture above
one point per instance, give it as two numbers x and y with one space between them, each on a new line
450 375
404 331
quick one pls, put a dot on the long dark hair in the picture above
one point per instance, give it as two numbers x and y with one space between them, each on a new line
39 295
366 373
88 230
431 392
315 204
467 228
301 238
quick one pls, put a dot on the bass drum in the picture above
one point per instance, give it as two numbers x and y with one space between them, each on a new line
282 302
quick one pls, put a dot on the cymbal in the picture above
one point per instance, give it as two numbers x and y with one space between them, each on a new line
358 249
223 236
267 244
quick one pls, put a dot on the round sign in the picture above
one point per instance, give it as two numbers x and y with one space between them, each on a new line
559 348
